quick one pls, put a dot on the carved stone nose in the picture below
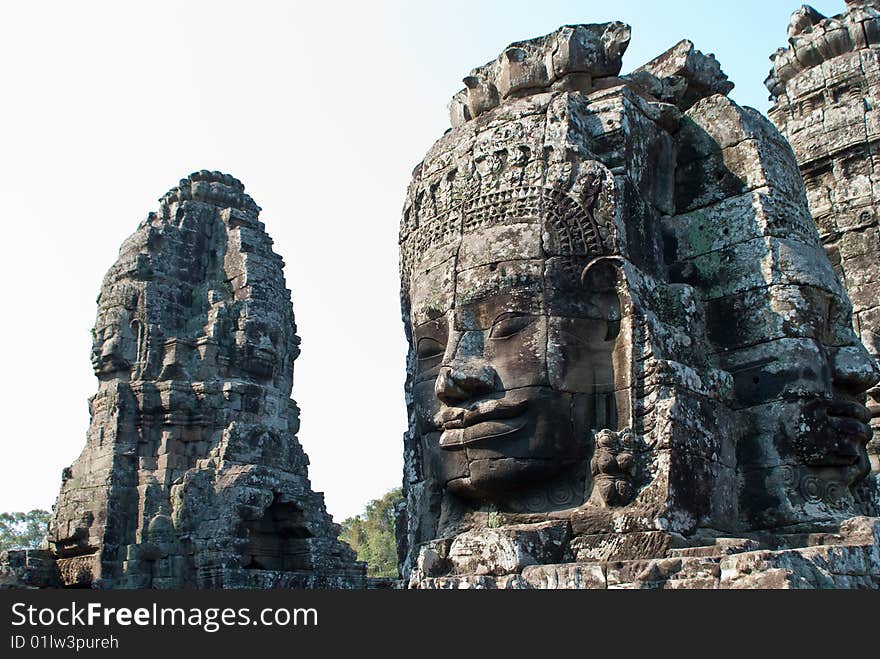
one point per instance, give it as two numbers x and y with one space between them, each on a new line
455 385
855 370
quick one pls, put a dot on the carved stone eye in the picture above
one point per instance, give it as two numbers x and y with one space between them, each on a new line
510 326
429 349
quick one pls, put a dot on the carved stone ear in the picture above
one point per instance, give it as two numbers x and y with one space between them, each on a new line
603 274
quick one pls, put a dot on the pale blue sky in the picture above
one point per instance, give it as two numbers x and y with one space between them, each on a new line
322 110
455 36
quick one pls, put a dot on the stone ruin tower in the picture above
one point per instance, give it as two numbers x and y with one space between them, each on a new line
826 92
631 363
192 475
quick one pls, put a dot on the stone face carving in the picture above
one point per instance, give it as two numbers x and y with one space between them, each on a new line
826 88
626 341
192 476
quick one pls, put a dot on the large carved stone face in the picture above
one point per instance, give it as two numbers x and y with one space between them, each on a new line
114 347
809 390
830 429
834 422
258 349
514 367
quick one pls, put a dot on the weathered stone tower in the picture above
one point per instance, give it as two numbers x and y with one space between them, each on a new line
632 364
826 90
192 476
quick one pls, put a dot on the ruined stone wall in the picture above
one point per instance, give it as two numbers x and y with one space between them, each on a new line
826 92
192 475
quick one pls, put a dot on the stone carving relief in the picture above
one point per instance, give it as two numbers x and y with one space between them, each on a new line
622 324
192 476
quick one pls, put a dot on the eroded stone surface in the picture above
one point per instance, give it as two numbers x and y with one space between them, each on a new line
192 475
630 358
847 560
28 569
826 90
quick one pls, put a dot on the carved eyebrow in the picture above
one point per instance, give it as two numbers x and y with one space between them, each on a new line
508 325
758 363
430 328
513 314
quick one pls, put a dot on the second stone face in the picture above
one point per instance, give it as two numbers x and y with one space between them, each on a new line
192 476
826 92
625 335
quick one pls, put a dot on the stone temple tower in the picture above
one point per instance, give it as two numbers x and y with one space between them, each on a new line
631 362
826 92
192 475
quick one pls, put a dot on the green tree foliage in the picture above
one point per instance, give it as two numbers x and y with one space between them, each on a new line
371 535
23 530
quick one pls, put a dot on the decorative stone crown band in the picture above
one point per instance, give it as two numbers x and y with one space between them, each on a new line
568 227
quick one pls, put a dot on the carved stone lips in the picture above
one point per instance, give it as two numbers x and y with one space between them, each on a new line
850 418
493 410
488 420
